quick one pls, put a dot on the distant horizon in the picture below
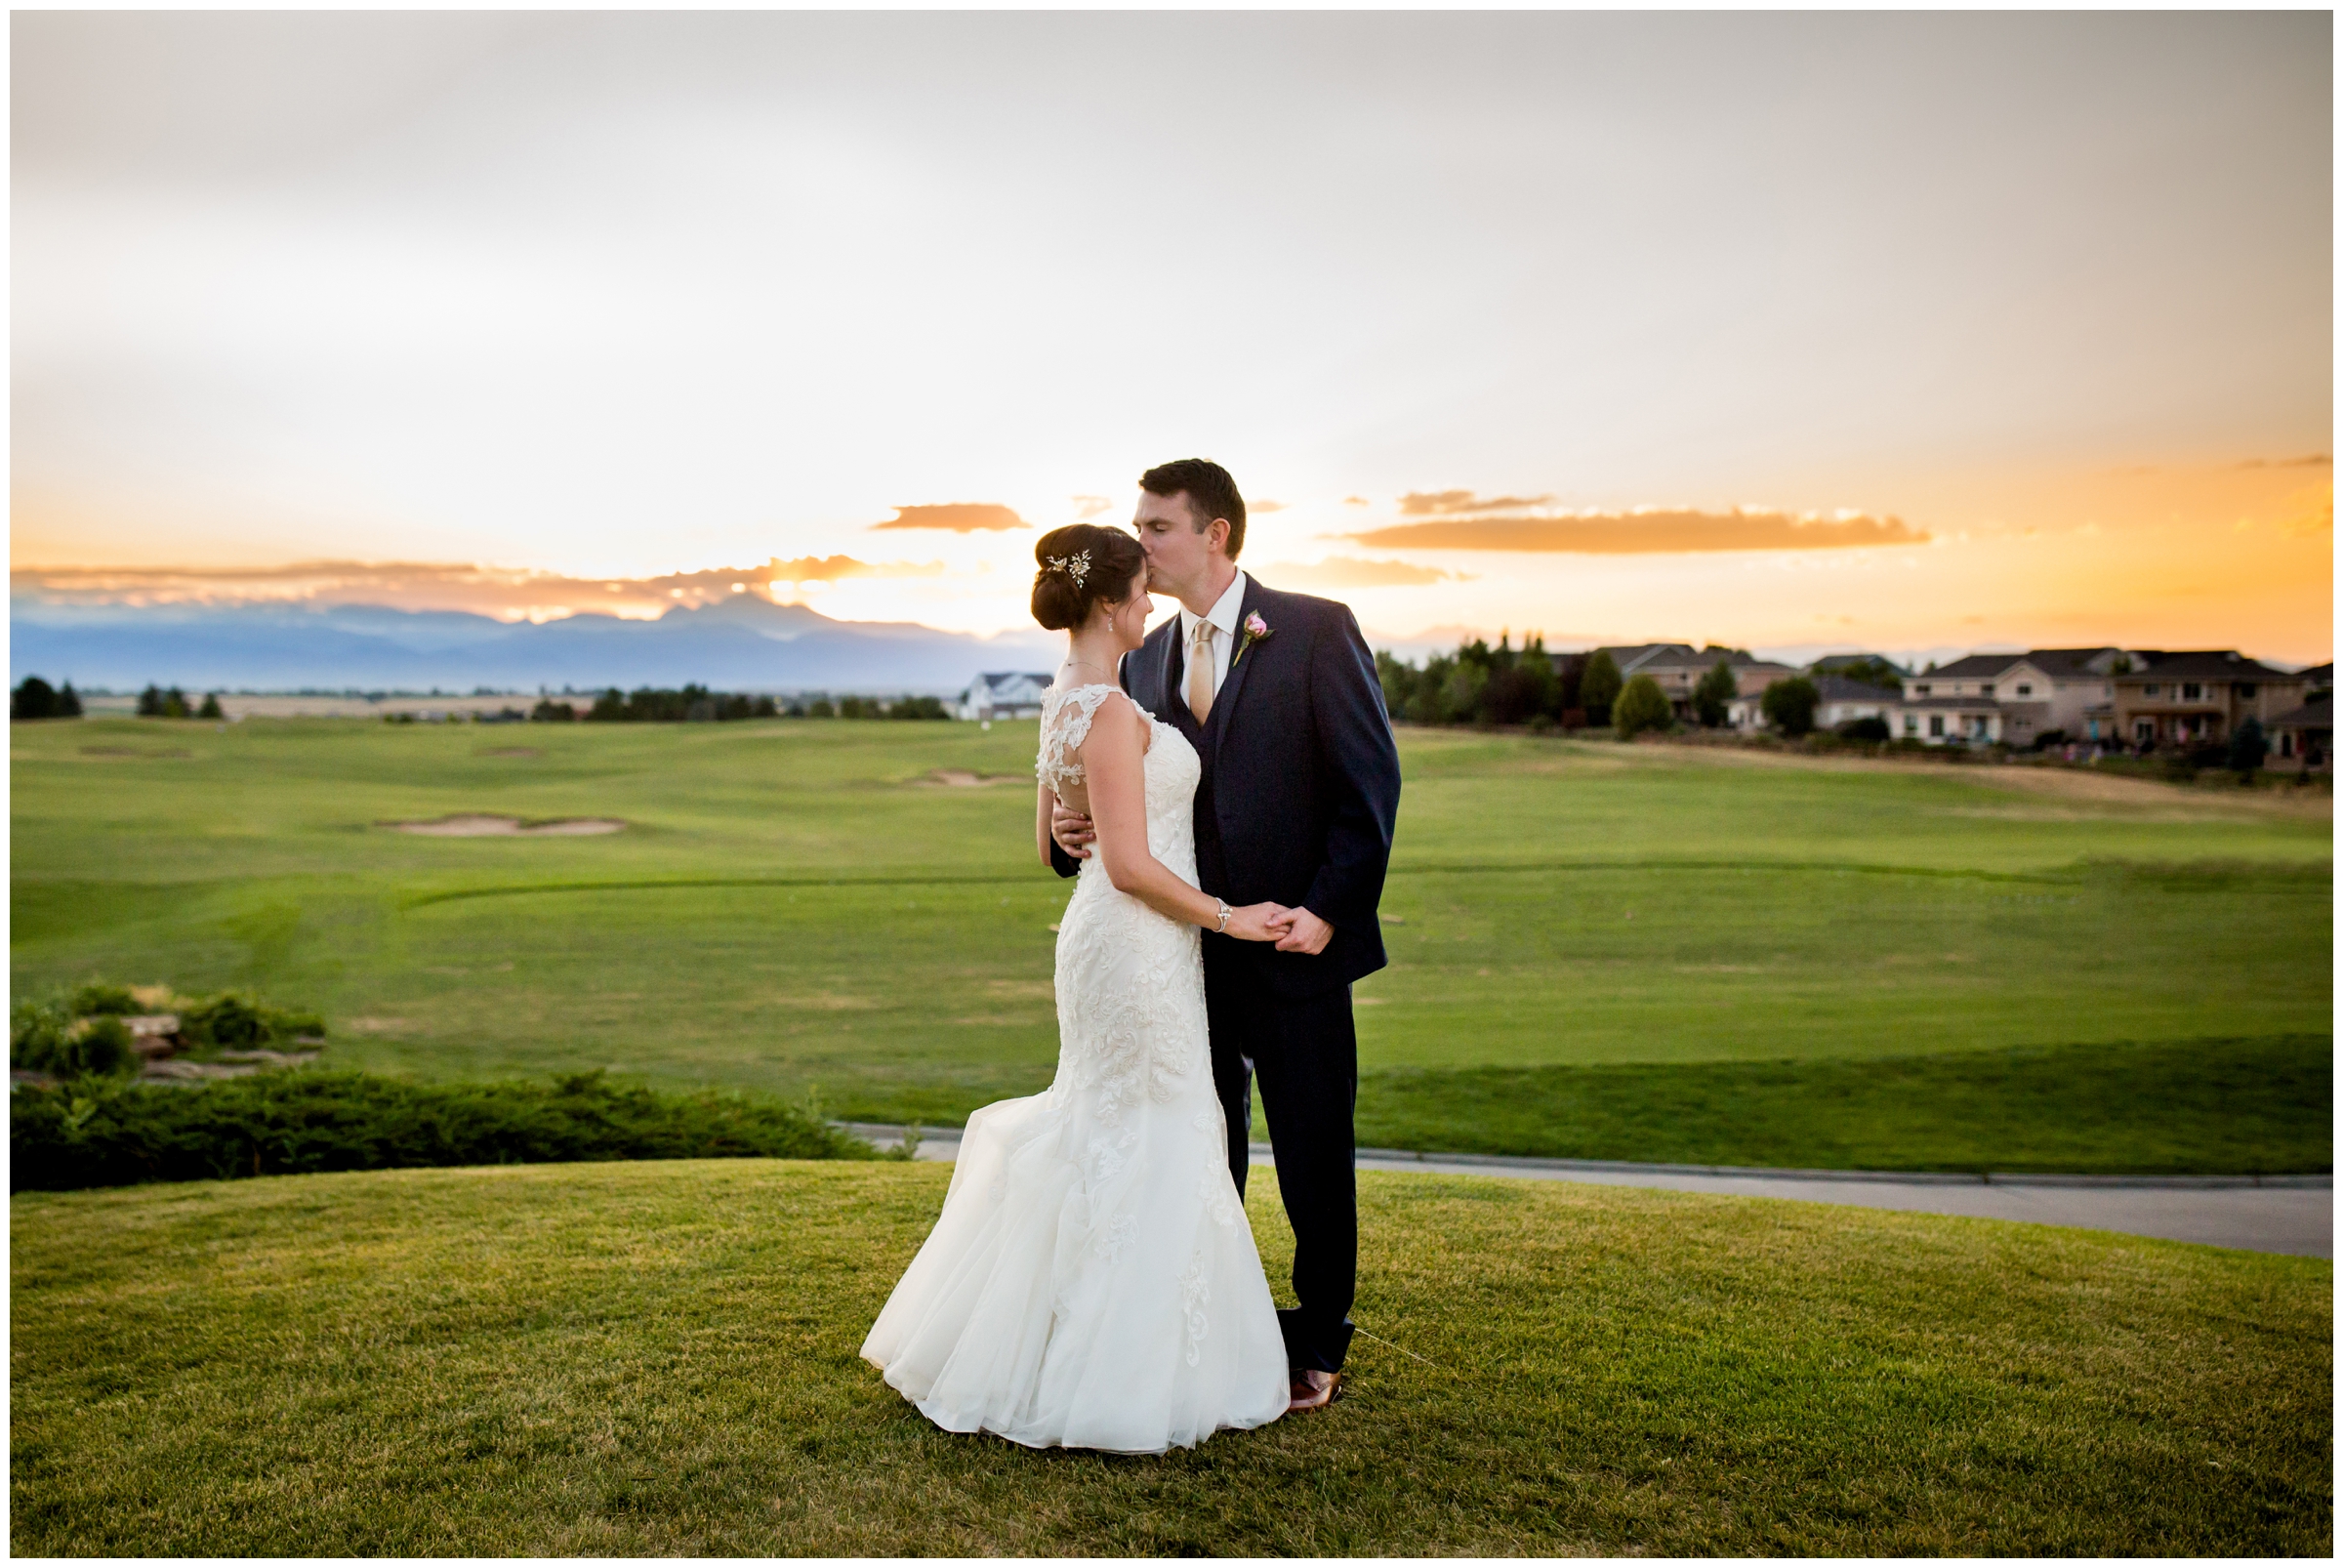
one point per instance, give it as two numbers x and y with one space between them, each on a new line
1412 644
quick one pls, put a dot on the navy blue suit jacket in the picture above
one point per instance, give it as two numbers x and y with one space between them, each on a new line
1301 785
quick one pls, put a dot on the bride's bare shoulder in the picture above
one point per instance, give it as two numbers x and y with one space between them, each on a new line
1123 720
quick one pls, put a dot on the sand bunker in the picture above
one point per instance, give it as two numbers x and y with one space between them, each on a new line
509 827
142 753
960 778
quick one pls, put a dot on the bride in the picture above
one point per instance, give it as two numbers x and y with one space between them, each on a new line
1093 1280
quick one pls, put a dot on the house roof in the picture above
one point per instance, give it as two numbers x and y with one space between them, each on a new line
2057 662
1635 656
2069 661
2202 664
994 679
1838 689
1829 662
2321 675
1980 704
2320 715
1975 667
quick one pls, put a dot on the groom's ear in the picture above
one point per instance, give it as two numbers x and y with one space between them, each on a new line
1216 536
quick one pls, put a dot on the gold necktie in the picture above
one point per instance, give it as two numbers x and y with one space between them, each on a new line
1200 672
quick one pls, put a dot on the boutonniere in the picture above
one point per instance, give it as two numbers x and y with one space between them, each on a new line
1254 630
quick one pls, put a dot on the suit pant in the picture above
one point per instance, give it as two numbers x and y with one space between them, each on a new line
1306 1057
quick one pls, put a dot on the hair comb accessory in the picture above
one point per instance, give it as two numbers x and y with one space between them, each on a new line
1076 567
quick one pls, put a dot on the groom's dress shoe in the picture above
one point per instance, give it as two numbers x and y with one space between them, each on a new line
1315 1390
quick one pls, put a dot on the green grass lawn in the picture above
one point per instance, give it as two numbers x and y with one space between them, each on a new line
795 907
661 1358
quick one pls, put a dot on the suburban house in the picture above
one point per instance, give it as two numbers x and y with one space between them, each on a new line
2306 735
1009 696
2200 696
1677 668
1843 701
2016 698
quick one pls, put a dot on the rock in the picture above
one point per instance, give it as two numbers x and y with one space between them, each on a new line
153 1034
192 1071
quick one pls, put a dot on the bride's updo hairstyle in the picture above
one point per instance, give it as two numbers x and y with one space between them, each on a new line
1083 565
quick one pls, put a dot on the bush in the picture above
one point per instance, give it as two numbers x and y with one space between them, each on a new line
2247 748
232 1022
44 1038
1640 706
1871 728
1598 686
913 708
548 711
156 703
98 1134
1789 705
820 708
98 995
35 699
1714 696
210 708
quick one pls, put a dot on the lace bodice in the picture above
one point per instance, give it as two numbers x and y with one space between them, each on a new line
1066 725
1172 770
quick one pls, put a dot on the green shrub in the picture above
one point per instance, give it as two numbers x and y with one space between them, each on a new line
44 1037
36 1034
1640 706
1789 705
98 995
1598 686
1713 697
99 1134
237 1023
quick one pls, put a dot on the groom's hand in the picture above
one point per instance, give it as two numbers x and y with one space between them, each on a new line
1072 831
1306 933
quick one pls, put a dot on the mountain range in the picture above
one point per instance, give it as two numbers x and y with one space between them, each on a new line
744 644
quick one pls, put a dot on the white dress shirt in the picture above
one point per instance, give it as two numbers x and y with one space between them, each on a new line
1224 616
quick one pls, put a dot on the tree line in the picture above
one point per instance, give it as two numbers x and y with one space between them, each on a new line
1478 684
695 704
35 698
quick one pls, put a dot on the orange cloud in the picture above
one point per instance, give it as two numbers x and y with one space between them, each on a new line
1645 533
1446 502
1349 571
508 594
956 517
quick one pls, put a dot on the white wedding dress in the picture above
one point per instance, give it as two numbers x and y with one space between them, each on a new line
1092 1280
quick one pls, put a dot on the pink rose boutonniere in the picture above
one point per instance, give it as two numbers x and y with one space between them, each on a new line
1255 629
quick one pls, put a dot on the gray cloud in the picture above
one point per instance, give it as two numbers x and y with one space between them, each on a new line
1645 533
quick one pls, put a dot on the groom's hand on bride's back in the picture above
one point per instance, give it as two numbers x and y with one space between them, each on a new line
1072 831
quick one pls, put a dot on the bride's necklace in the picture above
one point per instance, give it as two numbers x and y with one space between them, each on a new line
1085 664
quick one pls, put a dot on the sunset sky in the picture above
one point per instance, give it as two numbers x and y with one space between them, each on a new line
1917 333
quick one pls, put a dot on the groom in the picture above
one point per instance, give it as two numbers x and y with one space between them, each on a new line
1278 694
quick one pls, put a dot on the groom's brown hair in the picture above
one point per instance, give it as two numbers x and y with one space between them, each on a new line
1210 492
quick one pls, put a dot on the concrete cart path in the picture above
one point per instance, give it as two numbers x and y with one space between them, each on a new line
2258 1213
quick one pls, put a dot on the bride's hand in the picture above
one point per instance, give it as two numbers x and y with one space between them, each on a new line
1259 922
